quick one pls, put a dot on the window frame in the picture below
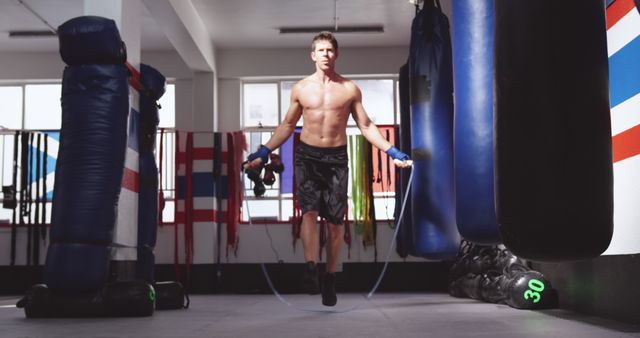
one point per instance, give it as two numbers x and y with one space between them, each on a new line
248 193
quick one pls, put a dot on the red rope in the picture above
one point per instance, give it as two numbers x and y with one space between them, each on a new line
160 190
188 206
176 258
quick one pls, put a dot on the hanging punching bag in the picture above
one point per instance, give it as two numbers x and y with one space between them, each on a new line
472 39
153 87
433 217
554 192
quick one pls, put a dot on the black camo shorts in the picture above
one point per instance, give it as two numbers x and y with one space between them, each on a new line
322 177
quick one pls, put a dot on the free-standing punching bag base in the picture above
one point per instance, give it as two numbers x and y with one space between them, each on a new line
118 299
554 176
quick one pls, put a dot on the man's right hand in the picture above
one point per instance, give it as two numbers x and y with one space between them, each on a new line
400 159
258 158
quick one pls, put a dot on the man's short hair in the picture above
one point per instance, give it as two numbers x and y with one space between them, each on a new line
326 36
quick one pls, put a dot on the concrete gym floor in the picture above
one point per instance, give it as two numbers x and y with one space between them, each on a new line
396 315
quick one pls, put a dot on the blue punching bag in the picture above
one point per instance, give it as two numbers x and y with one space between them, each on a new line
153 85
472 40
554 177
95 105
435 235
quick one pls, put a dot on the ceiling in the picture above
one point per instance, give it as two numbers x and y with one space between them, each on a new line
230 23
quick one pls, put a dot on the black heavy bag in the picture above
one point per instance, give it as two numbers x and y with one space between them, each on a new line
91 40
554 192
95 105
152 88
435 235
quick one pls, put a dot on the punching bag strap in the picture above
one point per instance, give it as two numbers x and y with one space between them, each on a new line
24 160
188 206
14 224
388 163
43 222
160 189
36 227
176 259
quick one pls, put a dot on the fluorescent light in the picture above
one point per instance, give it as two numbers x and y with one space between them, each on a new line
341 29
32 34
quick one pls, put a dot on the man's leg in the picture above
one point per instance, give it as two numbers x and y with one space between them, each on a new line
309 236
334 247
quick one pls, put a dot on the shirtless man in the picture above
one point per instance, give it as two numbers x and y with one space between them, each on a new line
325 99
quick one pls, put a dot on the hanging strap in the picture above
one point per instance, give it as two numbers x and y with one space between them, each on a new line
14 224
160 188
24 182
188 206
217 168
36 228
43 221
388 163
296 219
176 256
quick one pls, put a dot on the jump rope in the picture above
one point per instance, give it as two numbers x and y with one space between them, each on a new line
329 310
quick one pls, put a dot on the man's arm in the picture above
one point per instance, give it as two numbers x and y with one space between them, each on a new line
371 132
282 132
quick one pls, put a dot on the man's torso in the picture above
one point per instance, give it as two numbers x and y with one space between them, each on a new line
325 110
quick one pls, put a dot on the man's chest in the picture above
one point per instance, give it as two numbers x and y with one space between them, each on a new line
326 98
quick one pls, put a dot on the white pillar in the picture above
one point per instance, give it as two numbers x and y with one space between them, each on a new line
203 101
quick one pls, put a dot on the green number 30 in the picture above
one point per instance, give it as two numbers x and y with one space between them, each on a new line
535 288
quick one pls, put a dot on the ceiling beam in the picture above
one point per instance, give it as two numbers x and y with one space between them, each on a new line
186 31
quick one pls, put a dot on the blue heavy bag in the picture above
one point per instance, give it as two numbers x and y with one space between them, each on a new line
435 235
554 177
91 40
153 87
472 34
95 104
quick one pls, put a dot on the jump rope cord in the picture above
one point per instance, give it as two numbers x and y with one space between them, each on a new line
375 287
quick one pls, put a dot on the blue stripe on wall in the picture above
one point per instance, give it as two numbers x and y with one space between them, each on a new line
624 73
203 186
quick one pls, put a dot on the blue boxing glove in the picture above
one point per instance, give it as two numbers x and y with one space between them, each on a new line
396 154
262 153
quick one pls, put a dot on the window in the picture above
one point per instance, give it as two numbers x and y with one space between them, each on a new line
42 109
11 108
37 107
167 109
260 103
264 105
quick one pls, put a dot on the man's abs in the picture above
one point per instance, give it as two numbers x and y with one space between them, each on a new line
324 133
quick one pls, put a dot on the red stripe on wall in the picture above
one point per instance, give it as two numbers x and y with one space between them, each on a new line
134 79
618 10
130 180
201 216
626 144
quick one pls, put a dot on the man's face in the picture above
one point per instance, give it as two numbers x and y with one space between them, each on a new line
324 55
